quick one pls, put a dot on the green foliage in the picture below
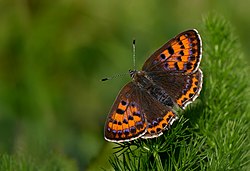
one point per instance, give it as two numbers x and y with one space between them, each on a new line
216 135
53 162
225 98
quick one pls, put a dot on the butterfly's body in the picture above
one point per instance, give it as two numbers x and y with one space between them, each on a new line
169 77
147 85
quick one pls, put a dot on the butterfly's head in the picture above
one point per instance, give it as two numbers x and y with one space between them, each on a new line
134 74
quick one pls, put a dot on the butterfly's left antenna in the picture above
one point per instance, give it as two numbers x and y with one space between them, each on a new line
134 54
110 78
118 75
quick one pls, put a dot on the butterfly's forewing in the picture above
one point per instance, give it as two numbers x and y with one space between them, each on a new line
159 117
126 121
182 88
181 54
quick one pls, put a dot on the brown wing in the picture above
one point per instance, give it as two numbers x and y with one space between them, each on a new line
159 117
126 121
182 89
181 54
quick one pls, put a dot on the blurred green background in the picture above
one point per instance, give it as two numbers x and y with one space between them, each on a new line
54 53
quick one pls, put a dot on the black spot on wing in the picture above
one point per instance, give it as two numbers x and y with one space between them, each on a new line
120 111
162 56
170 50
123 103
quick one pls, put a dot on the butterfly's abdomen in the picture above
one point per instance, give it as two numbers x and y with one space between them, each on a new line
145 83
160 95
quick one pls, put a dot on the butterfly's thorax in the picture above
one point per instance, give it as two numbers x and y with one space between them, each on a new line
146 83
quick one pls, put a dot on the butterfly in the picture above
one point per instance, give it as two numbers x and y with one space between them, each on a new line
170 77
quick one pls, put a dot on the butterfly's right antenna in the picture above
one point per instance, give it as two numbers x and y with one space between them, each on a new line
134 54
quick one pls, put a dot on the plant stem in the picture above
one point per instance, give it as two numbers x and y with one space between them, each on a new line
158 161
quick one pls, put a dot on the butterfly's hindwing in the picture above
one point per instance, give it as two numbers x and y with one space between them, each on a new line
192 89
182 89
159 117
158 125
